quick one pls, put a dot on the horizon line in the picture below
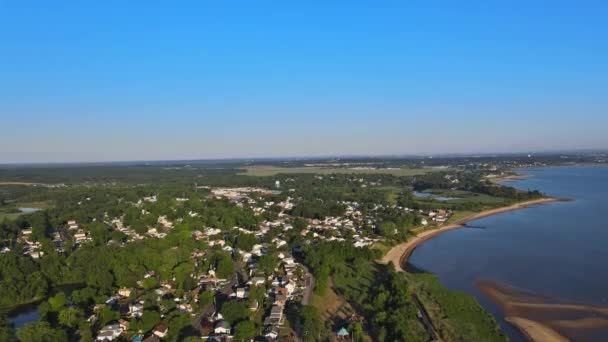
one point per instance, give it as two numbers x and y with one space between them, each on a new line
314 157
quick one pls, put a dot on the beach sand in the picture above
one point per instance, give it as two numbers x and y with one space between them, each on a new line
399 254
535 314
536 331
509 178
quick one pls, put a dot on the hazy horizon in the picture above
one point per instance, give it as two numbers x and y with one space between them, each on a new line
118 81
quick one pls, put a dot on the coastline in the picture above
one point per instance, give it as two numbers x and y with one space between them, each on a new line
535 331
509 178
400 253
534 314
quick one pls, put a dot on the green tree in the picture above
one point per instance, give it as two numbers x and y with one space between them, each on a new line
309 318
83 297
41 332
150 283
148 320
7 333
70 317
267 263
177 321
245 331
107 315
57 302
225 268
235 312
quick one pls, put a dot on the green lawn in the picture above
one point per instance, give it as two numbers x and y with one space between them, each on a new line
273 170
9 216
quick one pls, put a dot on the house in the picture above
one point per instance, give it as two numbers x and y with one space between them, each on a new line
109 332
124 324
247 257
280 296
256 281
161 330
275 317
271 332
440 218
290 287
136 310
124 292
222 328
254 305
242 293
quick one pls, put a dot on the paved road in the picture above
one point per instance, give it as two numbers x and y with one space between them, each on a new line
309 283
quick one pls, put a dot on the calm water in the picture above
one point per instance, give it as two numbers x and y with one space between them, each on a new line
28 210
27 314
556 249
428 195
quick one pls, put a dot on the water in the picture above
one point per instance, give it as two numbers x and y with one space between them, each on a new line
28 210
429 195
27 314
556 249
422 194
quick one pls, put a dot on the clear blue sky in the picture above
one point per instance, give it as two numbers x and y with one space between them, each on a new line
124 80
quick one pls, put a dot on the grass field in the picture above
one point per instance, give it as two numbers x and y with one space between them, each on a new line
273 170
8 216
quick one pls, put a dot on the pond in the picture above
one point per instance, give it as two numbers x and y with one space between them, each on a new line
29 210
430 196
24 315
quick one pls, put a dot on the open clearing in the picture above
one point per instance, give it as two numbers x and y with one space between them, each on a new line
273 170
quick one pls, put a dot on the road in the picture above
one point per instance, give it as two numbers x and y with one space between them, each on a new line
426 320
309 284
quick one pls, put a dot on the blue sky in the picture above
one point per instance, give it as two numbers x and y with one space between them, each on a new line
125 80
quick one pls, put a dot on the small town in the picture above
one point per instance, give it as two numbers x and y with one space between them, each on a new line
265 293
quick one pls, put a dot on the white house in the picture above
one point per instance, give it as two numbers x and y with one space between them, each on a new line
109 332
222 328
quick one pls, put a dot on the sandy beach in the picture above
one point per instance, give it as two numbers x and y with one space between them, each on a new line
399 254
509 178
536 331
535 314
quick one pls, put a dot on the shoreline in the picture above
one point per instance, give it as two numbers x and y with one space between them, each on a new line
509 178
536 315
400 253
535 331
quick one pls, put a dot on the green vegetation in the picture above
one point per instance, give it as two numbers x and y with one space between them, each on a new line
384 298
457 316
265 171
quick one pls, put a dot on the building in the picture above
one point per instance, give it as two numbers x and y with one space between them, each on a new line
124 292
161 330
109 332
222 328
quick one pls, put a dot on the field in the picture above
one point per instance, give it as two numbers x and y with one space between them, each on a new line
273 170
